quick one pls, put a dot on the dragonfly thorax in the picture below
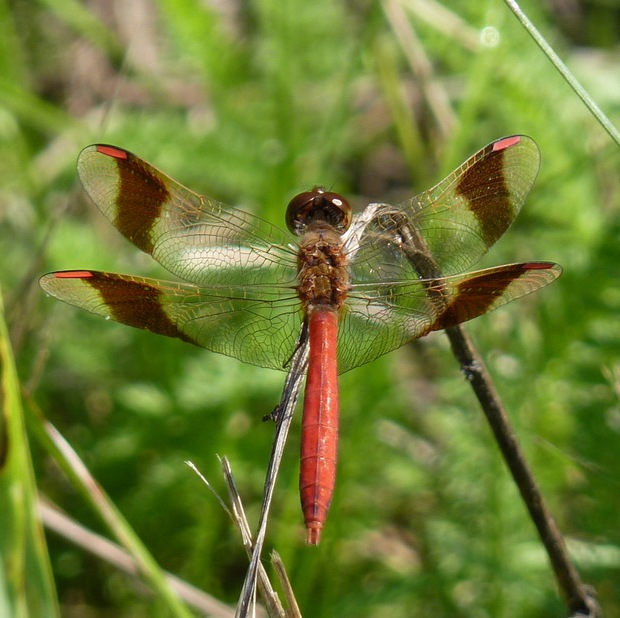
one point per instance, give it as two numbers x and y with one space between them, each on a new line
323 277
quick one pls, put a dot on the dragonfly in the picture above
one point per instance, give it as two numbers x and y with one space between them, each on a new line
356 287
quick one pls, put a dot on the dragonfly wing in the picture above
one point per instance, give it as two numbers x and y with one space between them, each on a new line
457 220
196 238
260 329
380 317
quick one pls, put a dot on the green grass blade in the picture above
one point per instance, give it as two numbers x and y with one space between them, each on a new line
565 72
26 583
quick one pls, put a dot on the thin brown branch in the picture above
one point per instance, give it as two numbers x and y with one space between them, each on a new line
579 598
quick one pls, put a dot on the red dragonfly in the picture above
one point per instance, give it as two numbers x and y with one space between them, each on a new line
360 293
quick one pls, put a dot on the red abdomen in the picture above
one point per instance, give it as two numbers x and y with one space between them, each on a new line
319 432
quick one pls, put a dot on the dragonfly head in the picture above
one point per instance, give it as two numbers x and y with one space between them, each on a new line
318 208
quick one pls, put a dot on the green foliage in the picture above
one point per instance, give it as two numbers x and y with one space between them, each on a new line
251 103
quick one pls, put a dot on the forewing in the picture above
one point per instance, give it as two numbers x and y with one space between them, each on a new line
257 328
457 220
381 317
196 238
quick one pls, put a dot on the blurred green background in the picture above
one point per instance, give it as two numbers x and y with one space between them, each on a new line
250 103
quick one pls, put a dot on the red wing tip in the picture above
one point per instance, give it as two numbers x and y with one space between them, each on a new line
506 142
543 266
112 151
313 535
74 274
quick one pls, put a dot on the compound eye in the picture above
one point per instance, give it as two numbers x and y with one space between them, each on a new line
318 207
